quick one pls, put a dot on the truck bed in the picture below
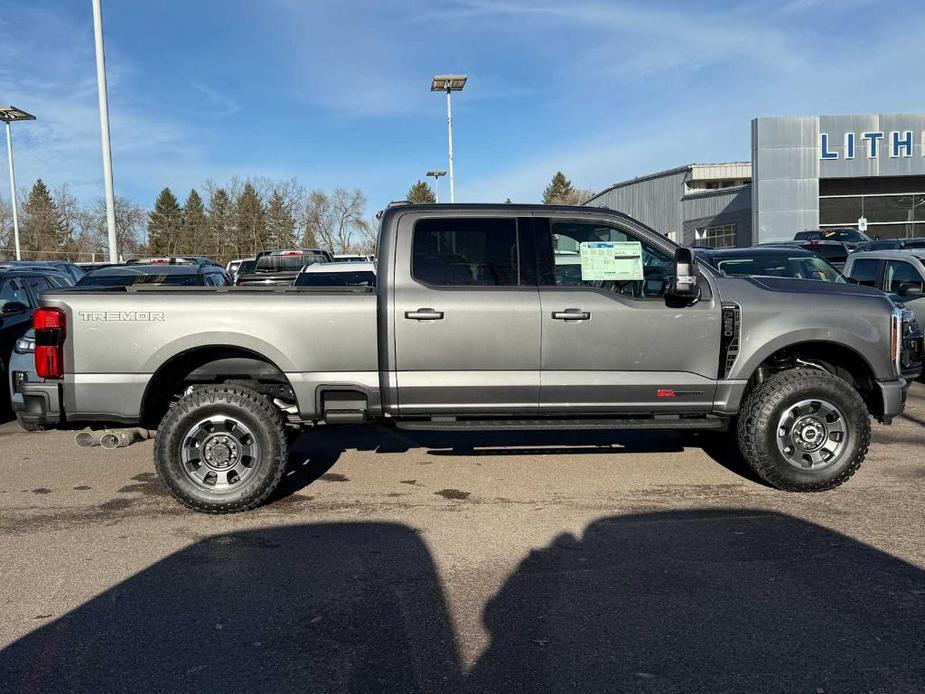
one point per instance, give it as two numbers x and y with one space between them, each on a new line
117 339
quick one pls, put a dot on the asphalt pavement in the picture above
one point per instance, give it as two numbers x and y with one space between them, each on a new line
392 562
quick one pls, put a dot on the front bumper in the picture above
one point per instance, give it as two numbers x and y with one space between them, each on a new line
893 395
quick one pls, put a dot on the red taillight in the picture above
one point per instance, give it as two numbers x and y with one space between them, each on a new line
45 318
49 324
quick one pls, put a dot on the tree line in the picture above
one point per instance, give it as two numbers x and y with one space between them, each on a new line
233 220
239 219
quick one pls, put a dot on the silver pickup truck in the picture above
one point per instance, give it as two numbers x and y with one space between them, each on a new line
483 317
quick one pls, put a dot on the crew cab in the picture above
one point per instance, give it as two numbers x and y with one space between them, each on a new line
472 325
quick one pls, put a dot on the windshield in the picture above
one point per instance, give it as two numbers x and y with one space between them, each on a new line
805 267
336 279
125 280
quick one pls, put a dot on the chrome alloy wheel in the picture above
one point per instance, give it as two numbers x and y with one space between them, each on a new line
812 434
219 452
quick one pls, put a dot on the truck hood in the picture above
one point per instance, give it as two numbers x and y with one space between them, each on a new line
797 286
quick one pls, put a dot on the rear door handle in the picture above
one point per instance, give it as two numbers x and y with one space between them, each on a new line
424 314
572 314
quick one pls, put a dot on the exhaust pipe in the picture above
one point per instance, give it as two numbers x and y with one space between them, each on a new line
87 438
120 438
111 438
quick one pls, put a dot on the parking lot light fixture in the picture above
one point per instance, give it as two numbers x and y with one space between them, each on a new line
436 174
449 84
10 115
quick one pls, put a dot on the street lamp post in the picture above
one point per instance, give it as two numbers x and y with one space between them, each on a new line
104 131
435 174
9 114
449 84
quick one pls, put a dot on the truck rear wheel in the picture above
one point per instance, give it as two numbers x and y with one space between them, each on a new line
221 449
804 430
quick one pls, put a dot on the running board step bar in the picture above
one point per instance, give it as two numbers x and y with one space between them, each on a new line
451 424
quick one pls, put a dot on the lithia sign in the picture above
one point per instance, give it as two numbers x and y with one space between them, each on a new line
896 143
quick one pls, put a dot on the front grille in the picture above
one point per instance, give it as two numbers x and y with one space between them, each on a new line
729 339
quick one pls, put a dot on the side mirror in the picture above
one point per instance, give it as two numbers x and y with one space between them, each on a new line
12 307
684 286
913 290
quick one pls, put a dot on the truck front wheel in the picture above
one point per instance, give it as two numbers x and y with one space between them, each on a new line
804 430
221 449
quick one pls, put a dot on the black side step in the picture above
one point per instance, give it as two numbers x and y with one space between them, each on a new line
667 422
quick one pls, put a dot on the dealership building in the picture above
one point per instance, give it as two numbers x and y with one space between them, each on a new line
806 172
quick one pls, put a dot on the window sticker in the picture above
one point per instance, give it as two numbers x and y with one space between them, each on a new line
611 260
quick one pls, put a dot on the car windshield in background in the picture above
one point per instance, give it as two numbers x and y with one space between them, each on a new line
833 252
286 262
336 279
128 280
784 265
245 268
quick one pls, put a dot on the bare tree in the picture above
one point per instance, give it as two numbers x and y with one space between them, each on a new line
333 219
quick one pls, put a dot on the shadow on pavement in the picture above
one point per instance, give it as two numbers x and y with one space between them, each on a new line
731 601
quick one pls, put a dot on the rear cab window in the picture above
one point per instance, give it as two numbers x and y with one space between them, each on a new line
466 252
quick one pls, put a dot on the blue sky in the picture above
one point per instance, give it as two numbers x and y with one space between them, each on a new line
337 93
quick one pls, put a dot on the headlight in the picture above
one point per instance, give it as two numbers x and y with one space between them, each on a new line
25 345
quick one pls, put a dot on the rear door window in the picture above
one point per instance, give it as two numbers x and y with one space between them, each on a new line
465 252
866 271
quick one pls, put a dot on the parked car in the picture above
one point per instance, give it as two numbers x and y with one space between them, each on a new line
90 267
337 275
770 261
890 244
246 267
188 275
172 260
71 269
468 329
847 235
901 274
835 252
352 258
19 296
281 267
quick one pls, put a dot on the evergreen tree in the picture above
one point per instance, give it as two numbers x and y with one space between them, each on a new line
164 223
218 242
559 191
420 192
280 222
249 222
44 233
192 237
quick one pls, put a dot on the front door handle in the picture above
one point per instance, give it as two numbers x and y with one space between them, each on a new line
424 314
572 314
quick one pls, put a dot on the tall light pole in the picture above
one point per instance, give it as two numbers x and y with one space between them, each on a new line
449 84
104 132
9 114
435 174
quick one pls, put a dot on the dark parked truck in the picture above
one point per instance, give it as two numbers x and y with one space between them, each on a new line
481 320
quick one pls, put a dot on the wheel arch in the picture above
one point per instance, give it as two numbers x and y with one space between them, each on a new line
836 358
214 363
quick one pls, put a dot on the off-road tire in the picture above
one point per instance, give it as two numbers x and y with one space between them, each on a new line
248 406
758 420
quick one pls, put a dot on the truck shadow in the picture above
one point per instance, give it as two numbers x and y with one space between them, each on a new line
722 600
314 453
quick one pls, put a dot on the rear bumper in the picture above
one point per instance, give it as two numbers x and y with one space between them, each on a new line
893 395
39 403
